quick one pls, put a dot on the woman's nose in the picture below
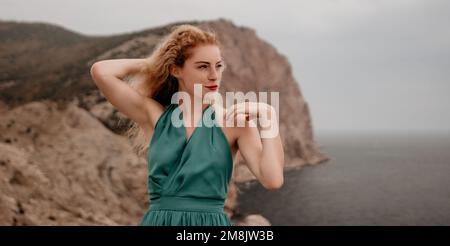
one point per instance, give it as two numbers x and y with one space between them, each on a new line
212 75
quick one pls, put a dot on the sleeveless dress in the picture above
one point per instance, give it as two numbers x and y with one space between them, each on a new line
188 178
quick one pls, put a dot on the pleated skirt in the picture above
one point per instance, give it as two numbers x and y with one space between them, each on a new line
179 211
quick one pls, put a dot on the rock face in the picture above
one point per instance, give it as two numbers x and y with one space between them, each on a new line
63 161
62 166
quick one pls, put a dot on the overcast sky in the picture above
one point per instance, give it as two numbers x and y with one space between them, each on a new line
362 65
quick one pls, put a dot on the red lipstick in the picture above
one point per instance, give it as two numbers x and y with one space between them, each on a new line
212 87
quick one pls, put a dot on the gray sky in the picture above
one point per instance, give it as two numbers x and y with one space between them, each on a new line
362 65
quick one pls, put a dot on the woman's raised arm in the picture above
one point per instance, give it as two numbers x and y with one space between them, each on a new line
108 76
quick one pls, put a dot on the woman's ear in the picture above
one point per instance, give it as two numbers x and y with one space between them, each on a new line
174 71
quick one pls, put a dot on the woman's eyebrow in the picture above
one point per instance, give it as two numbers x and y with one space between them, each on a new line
206 62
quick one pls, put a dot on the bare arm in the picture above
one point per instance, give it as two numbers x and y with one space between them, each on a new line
108 76
264 156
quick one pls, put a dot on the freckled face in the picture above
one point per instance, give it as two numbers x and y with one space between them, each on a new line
204 67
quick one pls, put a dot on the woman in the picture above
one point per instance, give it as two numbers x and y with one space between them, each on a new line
189 166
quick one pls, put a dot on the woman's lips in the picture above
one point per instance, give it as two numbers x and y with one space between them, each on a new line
212 87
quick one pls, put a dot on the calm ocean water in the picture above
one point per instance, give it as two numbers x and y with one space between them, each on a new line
371 179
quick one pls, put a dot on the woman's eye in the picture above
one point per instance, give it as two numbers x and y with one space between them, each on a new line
205 66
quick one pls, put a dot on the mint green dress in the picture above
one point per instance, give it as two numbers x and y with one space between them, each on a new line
188 179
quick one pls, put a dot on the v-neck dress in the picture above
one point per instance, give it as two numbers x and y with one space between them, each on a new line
188 178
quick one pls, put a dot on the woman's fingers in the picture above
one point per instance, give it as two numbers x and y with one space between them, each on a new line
249 108
252 110
230 111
